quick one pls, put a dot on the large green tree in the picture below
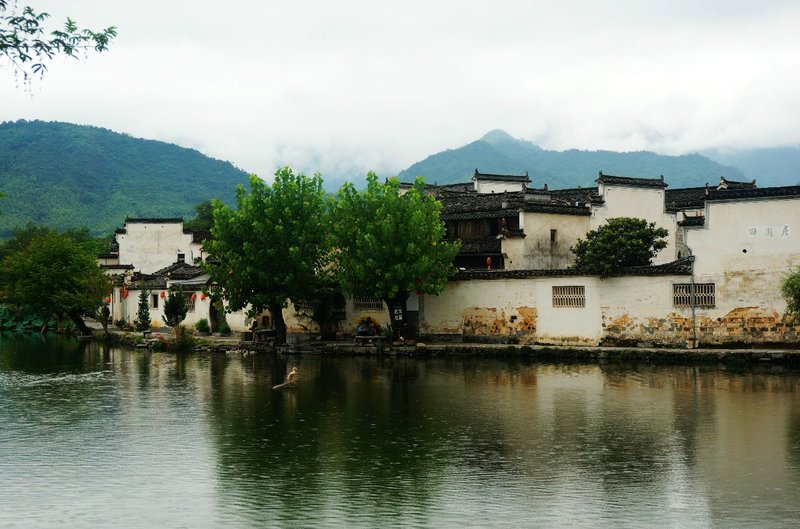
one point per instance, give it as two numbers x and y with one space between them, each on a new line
273 246
620 243
28 45
47 273
389 243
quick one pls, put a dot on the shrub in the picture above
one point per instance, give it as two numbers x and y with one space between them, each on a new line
202 326
790 288
224 328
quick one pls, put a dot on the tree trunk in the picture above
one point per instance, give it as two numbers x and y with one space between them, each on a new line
79 323
280 324
396 324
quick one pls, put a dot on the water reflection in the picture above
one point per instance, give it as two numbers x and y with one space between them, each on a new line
205 441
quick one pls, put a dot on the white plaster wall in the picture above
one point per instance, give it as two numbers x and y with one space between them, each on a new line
639 297
569 324
535 251
638 202
489 186
152 246
746 248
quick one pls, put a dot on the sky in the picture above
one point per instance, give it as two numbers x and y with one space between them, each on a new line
345 87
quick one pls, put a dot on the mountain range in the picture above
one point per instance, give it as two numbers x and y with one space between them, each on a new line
70 176
499 153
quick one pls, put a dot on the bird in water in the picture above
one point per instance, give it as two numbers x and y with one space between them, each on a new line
291 375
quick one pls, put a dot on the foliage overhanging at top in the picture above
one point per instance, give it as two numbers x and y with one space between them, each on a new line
69 176
389 243
27 45
620 243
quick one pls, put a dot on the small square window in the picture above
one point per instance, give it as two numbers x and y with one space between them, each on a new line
569 296
704 295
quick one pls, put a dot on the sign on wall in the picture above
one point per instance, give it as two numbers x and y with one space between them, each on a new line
770 232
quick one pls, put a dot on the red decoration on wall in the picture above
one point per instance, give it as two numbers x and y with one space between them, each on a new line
107 300
194 296
203 296
123 293
488 263
163 294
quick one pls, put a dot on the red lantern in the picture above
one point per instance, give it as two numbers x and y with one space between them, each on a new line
107 300
123 293
203 296
163 294
488 263
194 296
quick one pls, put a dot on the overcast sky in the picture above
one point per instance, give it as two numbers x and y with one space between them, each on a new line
378 85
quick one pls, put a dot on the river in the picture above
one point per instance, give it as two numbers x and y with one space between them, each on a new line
107 437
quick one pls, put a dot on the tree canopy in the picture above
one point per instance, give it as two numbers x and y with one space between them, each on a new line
28 45
274 246
389 243
620 243
46 273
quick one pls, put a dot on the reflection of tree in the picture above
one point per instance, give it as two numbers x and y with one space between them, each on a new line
352 421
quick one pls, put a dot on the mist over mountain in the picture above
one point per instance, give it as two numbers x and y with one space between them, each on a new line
71 176
499 153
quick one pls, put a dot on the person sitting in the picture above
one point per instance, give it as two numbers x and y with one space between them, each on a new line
365 328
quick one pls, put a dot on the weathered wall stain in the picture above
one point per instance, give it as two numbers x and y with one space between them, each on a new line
743 325
518 323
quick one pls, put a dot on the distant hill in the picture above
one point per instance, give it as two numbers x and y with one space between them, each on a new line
775 167
70 176
499 153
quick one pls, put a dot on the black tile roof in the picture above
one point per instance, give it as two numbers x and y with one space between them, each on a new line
698 220
480 246
755 192
153 220
686 198
724 183
679 267
179 270
558 209
579 195
501 177
117 267
631 181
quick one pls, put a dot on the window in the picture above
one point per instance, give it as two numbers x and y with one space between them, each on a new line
569 296
303 305
367 304
704 295
189 302
553 236
153 301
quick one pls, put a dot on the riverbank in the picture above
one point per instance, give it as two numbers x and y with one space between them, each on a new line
655 355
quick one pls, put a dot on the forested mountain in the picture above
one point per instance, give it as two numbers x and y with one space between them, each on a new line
499 153
70 176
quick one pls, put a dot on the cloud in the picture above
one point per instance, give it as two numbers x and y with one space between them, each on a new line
346 87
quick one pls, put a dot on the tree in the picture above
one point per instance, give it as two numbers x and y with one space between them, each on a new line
142 322
174 309
620 243
27 46
48 273
273 246
204 217
790 288
389 244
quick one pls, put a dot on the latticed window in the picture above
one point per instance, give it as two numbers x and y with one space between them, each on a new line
303 305
367 304
704 294
569 296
